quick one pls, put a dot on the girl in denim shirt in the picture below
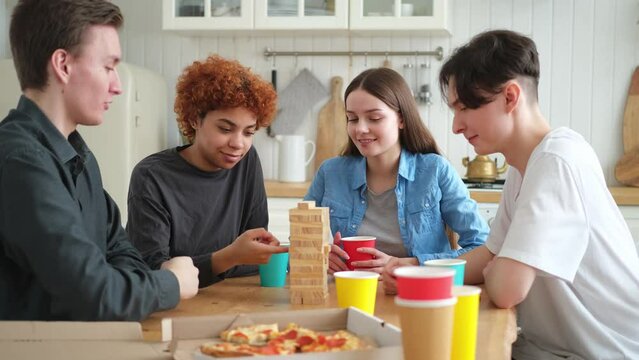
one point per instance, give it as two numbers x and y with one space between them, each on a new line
391 181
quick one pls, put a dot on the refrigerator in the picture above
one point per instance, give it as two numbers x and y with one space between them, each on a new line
133 128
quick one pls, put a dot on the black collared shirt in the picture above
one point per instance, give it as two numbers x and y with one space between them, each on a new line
63 252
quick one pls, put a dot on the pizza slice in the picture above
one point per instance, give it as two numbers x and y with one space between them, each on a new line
226 349
252 334
339 341
267 340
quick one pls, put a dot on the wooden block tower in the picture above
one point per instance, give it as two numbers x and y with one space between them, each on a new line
308 253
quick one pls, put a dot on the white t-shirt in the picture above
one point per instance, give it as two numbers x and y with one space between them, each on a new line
561 219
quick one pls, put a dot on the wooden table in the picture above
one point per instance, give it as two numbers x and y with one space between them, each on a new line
497 328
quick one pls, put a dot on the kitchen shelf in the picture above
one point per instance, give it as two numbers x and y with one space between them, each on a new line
623 195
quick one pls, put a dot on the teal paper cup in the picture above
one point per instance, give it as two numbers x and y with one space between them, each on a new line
456 264
273 274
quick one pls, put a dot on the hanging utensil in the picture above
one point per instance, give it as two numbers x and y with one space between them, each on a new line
269 130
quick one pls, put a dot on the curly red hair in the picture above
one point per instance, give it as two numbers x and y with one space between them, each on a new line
217 83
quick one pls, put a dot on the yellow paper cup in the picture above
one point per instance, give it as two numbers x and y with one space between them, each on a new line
465 324
357 288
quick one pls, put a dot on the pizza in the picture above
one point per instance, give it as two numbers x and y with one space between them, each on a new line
252 335
268 340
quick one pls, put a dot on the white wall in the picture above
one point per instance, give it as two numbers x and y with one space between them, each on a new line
588 51
4 31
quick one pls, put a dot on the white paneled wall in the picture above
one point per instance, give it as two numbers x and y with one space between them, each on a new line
4 31
588 51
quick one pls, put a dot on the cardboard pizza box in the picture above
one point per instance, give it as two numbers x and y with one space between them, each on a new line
75 340
188 333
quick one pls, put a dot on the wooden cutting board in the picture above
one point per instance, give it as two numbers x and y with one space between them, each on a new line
627 169
631 115
331 125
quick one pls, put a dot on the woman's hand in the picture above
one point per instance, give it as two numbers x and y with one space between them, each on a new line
337 256
380 259
389 282
252 247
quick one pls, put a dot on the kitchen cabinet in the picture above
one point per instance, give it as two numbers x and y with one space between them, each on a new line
400 15
301 15
196 15
363 16
202 15
488 211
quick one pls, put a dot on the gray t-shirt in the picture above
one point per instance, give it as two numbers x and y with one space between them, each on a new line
380 220
175 209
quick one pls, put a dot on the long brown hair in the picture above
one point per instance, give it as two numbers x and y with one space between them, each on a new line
390 87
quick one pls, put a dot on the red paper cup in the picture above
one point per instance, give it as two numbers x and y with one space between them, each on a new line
424 283
352 243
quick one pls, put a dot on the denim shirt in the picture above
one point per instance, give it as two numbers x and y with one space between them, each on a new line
430 194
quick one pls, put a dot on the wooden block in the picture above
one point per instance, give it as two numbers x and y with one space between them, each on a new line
307 212
306 205
315 275
306 281
314 297
305 259
303 268
302 254
306 242
326 249
298 283
305 217
306 267
307 229
309 290
296 297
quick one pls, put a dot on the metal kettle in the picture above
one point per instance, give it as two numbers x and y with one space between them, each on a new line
483 169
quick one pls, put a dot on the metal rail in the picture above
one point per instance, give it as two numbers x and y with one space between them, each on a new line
438 53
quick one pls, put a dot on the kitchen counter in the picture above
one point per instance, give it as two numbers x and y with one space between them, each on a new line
622 195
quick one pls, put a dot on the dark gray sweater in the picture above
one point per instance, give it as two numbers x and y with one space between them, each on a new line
176 209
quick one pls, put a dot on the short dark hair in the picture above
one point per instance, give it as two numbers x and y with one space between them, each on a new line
389 86
40 27
480 68
217 83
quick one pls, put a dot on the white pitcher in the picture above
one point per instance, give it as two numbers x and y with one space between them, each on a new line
292 159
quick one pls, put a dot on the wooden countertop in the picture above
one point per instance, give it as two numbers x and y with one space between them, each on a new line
497 328
622 195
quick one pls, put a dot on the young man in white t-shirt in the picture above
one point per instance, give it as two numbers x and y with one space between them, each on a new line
559 248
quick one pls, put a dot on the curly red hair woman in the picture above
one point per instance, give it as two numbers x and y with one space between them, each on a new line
217 83
207 199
